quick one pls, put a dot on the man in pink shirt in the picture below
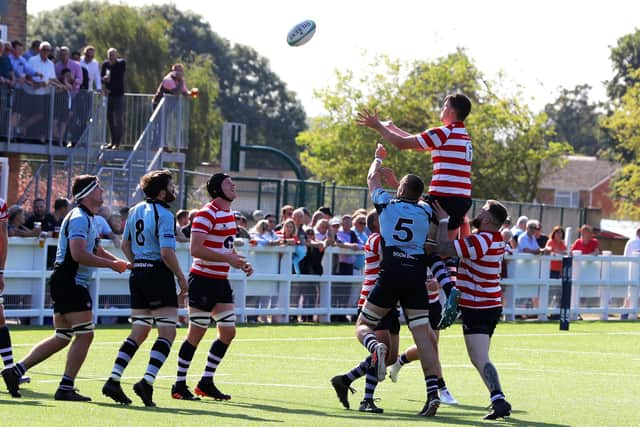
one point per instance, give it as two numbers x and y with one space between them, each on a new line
66 62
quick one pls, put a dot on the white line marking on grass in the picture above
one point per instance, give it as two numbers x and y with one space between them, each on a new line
574 372
572 352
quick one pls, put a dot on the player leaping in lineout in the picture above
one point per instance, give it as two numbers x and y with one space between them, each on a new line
451 154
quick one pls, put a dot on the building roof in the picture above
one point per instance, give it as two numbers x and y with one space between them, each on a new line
579 173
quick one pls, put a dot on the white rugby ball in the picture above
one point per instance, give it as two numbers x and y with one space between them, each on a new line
301 33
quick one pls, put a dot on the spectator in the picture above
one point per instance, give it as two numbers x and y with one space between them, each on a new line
38 92
301 218
271 219
288 236
317 216
182 220
104 229
347 238
115 222
520 227
60 210
171 84
556 246
124 214
586 243
186 230
77 57
34 51
40 214
21 68
507 238
633 245
257 215
262 236
542 239
360 211
507 225
241 222
334 227
88 62
63 110
286 212
112 73
7 76
16 226
527 242
360 228
326 211
66 62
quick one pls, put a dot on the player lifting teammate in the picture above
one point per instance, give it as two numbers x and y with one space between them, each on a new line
210 293
481 295
149 243
77 255
404 226
386 331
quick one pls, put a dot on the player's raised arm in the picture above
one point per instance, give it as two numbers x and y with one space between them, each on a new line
395 136
373 176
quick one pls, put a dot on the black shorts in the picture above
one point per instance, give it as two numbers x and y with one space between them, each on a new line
390 322
456 207
401 280
67 296
152 286
480 321
205 292
435 314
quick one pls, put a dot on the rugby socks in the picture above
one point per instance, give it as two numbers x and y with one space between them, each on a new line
403 360
441 383
66 383
159 353
432 385
5 347
442 275
370 342
371 382
496 395
216 353
125 354
358 371
185 355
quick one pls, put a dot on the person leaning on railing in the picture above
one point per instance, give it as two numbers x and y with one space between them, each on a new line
16 225
556 246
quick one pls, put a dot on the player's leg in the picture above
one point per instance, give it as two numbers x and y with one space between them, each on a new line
141 323
423 336
41 351
225 318
368 319
6 349
201 303
479 327
82 327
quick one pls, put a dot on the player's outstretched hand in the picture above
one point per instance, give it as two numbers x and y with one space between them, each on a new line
368 119
450 310
438 211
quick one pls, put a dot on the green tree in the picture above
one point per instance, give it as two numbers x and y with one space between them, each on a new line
625 58
510 142
64 26
624 125
577 121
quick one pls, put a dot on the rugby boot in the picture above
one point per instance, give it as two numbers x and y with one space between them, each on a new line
70 396
113 390
207 388
367 405
342 386
500 408
378 360
144 390
394 370
12 381
430 407
446 397
182 392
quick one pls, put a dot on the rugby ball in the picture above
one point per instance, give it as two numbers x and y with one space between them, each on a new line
301 33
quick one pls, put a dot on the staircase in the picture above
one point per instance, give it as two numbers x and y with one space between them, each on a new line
159 144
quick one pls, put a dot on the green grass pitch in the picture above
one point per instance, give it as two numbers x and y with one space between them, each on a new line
279 375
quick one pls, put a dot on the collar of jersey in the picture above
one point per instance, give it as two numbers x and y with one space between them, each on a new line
160 202
85 209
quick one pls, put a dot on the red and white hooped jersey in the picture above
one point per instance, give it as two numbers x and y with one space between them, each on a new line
372 258
479 271
451 155
4 211
220 227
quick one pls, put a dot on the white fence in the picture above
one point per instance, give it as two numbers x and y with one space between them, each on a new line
600 285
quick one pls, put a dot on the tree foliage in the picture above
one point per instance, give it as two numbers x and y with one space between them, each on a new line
624 125
577 120
510 142
625 58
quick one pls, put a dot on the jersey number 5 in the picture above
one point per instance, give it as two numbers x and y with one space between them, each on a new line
139 231
401 225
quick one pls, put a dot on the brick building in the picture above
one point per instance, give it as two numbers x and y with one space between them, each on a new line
13 19
582 183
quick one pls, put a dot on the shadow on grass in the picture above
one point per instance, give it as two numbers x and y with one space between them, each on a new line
27 398
182 411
